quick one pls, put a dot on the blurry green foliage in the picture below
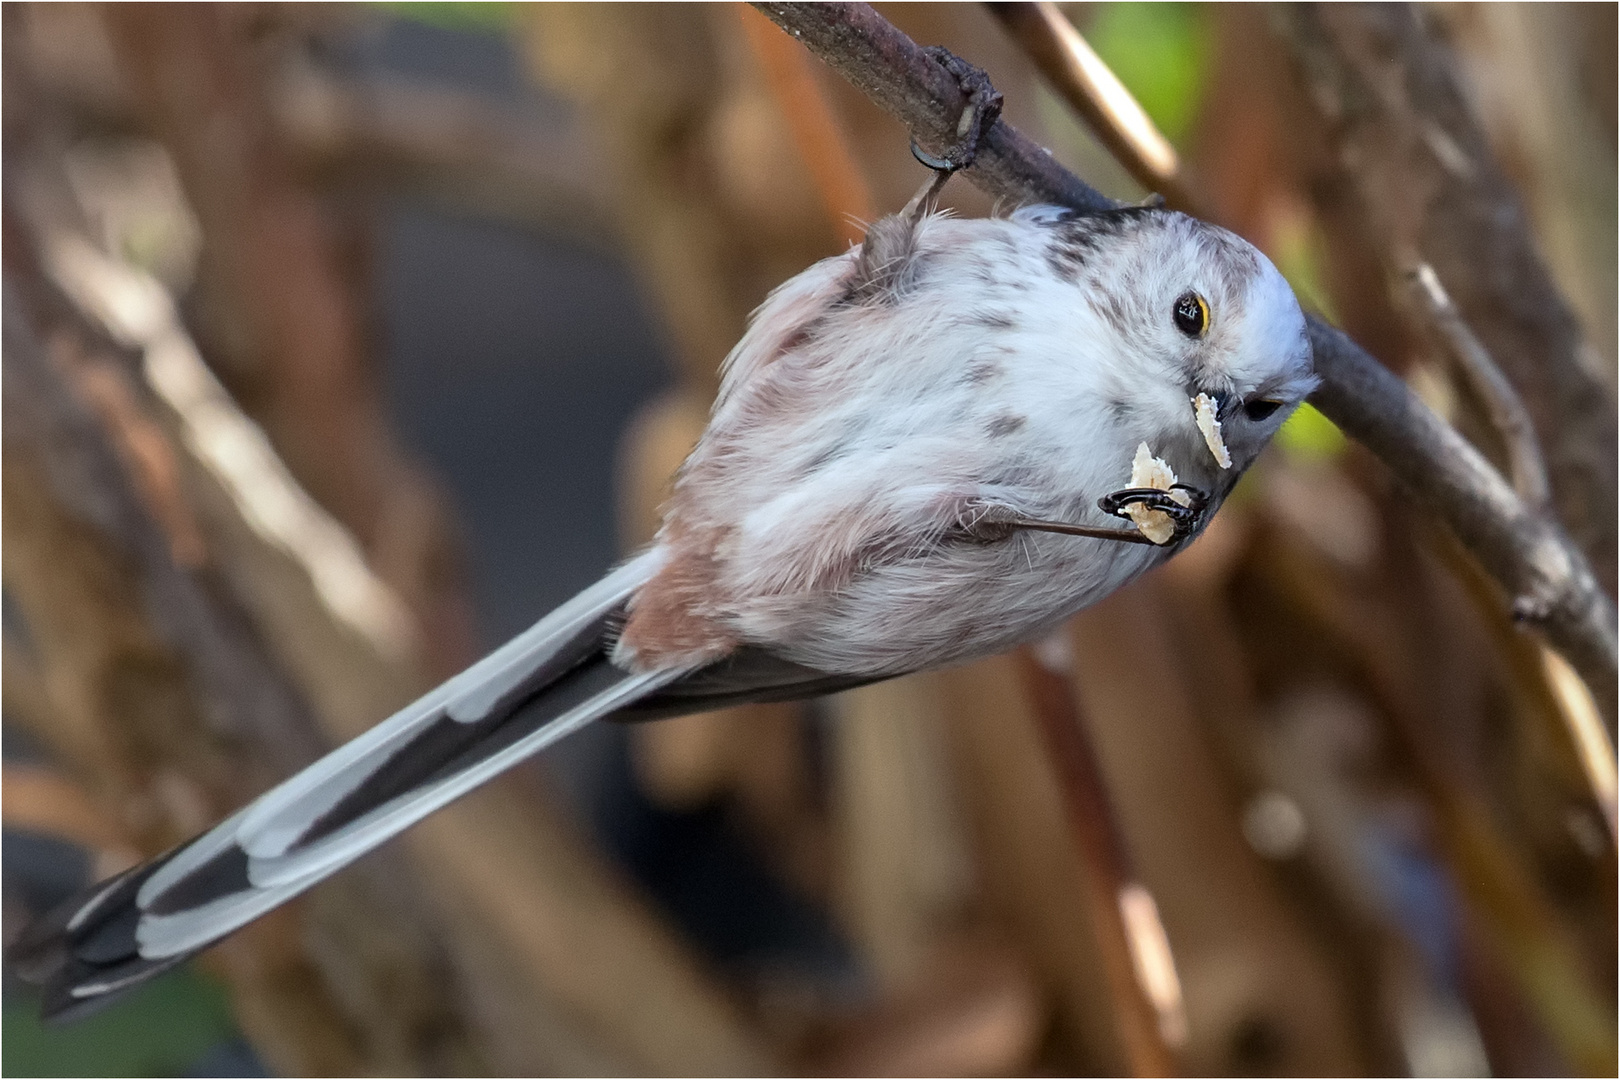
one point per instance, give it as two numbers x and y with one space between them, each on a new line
159 1031
1309 434
1160 52
1299 251
471 15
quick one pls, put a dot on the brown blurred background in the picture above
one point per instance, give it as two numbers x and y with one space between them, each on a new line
342 342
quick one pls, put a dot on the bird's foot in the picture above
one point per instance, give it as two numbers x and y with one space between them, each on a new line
1185 518
978 115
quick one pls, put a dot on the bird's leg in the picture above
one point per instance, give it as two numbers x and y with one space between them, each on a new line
990 523
1098 532
1184 519
978 117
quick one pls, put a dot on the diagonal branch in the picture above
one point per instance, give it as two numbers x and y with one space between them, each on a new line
1502 402
1410 162
1146 991
1091 89
1527 553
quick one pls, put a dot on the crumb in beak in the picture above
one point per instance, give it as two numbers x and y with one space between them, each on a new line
1204 407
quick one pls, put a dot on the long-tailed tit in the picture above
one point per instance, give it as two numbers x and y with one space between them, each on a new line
902 440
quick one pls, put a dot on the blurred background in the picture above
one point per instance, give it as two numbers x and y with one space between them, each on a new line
344 341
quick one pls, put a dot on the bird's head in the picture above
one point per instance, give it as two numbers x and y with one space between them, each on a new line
1209 354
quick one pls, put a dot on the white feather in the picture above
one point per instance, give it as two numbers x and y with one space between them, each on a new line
276 820
277 879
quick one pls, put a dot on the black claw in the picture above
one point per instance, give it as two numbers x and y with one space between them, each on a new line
1185 519
1197 498
978 117
938 164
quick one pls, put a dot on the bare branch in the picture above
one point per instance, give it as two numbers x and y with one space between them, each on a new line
1427 187
1095 92
888 67
1528 554
1507 411
1140 971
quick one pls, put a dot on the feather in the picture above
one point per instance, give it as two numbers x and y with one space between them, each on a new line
546 683
550 681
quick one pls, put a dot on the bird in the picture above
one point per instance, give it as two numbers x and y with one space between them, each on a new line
926 450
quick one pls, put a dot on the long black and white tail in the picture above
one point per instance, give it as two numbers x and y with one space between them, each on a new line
550 681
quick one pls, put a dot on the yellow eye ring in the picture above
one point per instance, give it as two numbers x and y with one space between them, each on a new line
1191 314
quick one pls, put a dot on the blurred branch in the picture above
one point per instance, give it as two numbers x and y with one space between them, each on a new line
1141 973
1514 910
41 800
467 149
1079 75
1383 87
233 450
143 662
1592 745
1507 411
974 1012
525 908
820 139
1551 583
280 303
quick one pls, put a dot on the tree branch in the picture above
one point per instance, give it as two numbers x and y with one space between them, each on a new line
1151 1025
1427 188
1529 555
1078 74
1506 410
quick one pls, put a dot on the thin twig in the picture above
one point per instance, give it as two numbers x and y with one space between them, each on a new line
1507 412
1592 744
1091 88
1526 552
1415 169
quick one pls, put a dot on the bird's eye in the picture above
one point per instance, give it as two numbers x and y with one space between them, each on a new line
1191 314
1260 409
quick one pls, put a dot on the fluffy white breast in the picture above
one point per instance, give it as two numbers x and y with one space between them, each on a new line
884 400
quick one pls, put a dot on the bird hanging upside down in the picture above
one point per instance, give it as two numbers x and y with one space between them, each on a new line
920 455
